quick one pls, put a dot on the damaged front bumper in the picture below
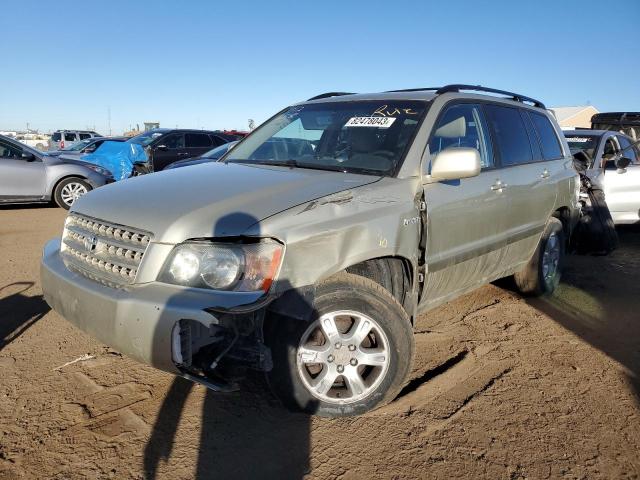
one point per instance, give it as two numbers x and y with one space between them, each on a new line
172 328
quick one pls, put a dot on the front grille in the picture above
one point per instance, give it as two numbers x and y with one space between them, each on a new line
104 252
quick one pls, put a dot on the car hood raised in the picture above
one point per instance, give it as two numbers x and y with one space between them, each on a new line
210 200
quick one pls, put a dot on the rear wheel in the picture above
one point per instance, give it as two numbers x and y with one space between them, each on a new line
353 356
69 190
542 274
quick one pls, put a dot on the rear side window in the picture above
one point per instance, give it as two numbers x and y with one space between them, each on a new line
173 141
551 149
84 136
197 140
218 140
510 135
69 137
56 137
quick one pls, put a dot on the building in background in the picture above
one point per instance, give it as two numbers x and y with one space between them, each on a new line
574 117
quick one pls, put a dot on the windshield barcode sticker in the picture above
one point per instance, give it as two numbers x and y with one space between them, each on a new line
378 122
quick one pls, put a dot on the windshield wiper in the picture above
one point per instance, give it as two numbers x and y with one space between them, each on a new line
291 163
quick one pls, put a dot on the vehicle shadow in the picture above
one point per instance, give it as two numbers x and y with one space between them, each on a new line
26 206
246 434
598 301
18 312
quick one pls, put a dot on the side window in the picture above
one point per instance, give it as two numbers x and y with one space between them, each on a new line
56 137
462 125
197 140
534 139
9 151
608 154
630 152
551 149
84 136
173 141
218 140
69 137
511 137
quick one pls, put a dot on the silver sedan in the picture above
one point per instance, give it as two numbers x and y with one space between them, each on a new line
30 176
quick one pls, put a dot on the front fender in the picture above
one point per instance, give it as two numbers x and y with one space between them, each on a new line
328 235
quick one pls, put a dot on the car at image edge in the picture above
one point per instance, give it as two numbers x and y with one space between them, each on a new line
311 249
605 149
30 176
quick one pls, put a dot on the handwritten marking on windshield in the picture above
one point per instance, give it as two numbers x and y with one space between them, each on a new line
385 112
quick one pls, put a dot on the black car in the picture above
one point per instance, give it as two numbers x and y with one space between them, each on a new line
165 146
210 156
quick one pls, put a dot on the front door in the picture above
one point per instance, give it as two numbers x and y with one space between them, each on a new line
622 190
465 230
20 179
167 150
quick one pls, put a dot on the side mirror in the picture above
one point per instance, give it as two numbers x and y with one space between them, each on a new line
28 156
162 147
622 163
90 149
455 163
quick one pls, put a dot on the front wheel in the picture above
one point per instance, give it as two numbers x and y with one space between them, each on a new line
69 190
353 356
541 275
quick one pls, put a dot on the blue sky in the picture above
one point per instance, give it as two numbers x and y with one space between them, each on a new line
216 64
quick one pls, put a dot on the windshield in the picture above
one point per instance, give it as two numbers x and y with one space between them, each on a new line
218 152
359 137
76 146
146 138
588 143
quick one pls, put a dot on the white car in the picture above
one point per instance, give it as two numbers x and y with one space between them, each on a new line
606 151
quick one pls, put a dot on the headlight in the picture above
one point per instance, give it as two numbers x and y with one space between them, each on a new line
100 170
224 266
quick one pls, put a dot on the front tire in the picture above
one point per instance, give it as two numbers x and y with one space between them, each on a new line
542 274
354 355
69 190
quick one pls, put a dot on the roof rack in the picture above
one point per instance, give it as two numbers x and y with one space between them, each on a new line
330 94
414 90
477 88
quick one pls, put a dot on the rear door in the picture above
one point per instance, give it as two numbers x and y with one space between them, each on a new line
528 177
622 190
68 138
167 150
197 143
20 179
465 231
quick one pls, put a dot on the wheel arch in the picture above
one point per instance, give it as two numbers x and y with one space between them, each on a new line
396 274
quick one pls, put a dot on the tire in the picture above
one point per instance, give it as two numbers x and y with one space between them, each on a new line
381 322
607 240
536 280
69 190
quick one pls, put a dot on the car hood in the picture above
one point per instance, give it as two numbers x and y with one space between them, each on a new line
210 200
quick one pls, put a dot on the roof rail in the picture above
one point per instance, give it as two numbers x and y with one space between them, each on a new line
414 90
478 88
330 94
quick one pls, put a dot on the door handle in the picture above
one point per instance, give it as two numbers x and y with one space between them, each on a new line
498 186
181 154
545 174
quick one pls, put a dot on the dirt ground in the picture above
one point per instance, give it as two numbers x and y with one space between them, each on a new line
504 387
